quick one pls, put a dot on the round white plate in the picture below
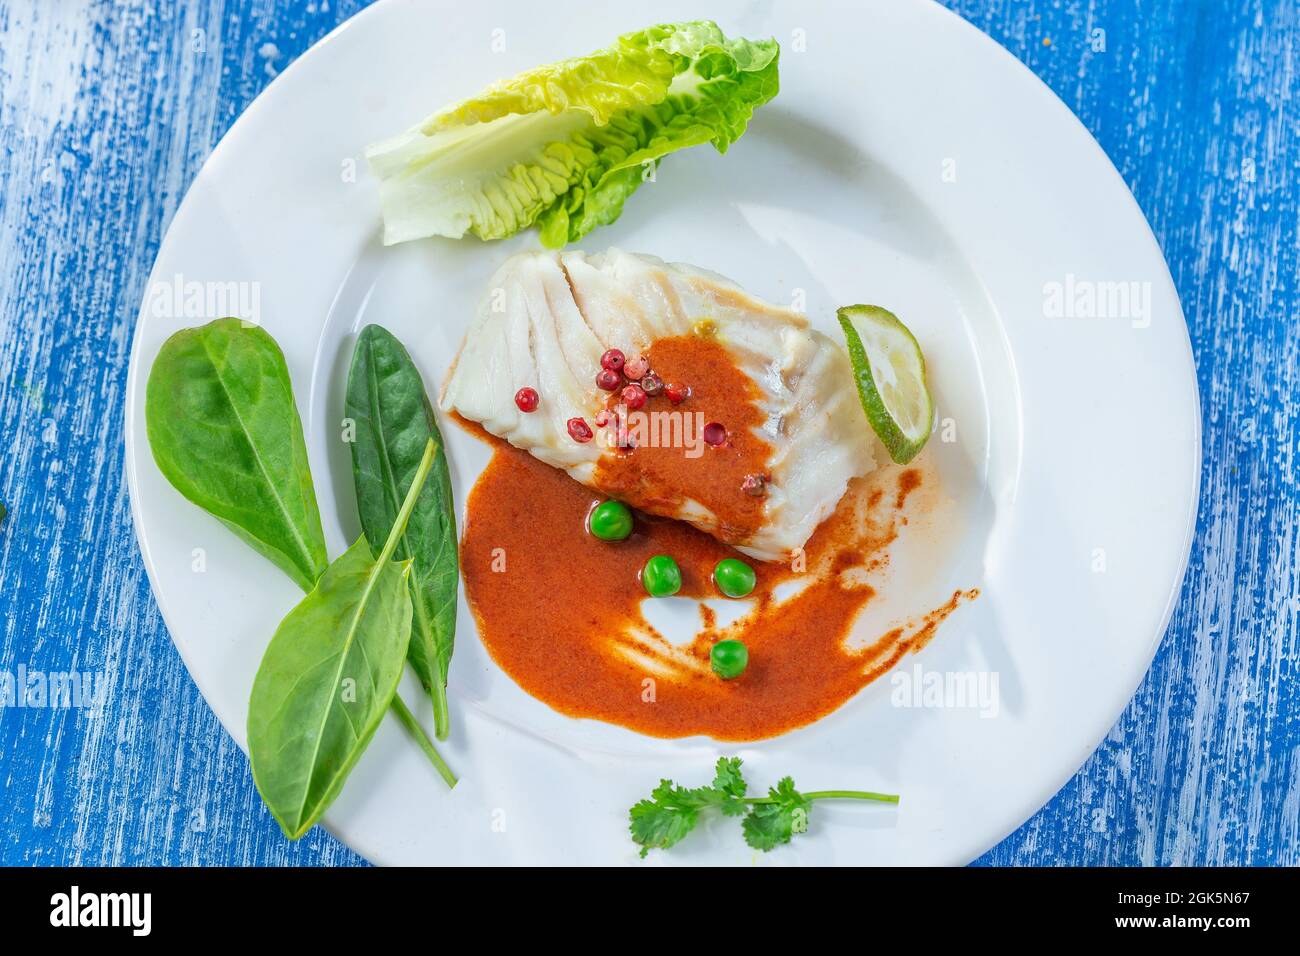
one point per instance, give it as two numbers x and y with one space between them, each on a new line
908 161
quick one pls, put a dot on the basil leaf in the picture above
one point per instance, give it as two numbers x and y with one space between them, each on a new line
225 432
329 675
393 421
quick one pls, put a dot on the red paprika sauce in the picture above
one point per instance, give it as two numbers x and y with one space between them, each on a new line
560 610
656 476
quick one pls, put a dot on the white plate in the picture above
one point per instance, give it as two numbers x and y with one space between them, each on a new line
908 161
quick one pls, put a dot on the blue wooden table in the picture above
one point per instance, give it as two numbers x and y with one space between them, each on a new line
107 110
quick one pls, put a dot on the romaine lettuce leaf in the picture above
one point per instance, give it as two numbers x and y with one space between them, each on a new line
564 145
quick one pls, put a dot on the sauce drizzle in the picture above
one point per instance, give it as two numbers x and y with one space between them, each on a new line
658 475
560 611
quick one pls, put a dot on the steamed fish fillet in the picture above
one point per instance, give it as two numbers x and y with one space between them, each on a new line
547 318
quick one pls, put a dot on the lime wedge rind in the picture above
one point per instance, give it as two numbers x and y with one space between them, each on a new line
889 370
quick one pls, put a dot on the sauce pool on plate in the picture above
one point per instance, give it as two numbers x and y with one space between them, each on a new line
560 610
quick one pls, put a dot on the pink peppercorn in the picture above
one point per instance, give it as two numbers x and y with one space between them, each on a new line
636 367
579 430
634 397
677 393
526 399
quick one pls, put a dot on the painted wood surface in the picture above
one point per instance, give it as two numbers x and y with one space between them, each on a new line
107 110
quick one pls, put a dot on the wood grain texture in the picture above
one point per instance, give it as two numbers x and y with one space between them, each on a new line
107 110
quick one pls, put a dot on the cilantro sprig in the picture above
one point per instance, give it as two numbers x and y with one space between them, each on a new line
672 811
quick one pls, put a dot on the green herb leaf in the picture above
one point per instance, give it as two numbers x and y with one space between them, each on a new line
770 824
669 814
673 811
225 432
730 786
393 421
329 675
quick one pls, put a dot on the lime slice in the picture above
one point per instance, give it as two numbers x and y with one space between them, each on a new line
890 371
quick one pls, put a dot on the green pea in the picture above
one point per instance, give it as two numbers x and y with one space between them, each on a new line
661 576
610 521
734 578
729 658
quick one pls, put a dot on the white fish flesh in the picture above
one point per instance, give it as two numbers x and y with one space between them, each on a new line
547 318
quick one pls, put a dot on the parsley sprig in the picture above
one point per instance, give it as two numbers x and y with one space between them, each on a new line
671 812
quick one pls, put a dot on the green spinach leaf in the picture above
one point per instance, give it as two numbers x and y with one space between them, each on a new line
225 432
392 420
330 674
